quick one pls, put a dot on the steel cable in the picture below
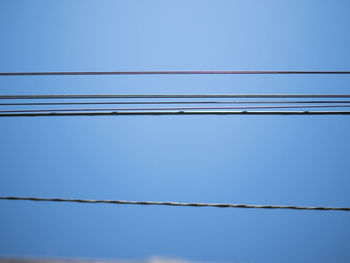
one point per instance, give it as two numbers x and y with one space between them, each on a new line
183 96
173 72
324 208
159 113
171 102
184 108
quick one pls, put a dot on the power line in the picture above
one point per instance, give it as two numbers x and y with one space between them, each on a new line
121 202
145 113
184 108
184 96
170 102
172 72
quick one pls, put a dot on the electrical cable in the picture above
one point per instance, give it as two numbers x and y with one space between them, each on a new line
145 113
172 72
185 108
184 96
122 202
169 102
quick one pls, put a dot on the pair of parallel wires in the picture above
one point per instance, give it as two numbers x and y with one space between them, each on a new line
280 104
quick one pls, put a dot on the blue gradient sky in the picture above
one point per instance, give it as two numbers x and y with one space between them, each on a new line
286 160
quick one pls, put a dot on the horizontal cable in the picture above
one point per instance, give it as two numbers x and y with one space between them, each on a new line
171 102
145 113
162 96
187 108
121 202
172 72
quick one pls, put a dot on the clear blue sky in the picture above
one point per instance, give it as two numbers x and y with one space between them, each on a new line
285 160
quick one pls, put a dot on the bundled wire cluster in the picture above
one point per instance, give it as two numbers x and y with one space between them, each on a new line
79 105
65 105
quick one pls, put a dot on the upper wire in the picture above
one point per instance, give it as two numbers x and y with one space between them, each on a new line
174 72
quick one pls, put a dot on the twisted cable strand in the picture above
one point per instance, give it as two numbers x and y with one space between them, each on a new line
324 208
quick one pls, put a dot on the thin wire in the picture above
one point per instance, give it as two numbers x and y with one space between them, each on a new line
145 113
128 96
169 102
172 72
121 202
186 108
